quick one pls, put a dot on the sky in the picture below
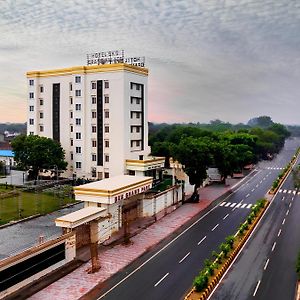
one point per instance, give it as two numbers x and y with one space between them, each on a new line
208 59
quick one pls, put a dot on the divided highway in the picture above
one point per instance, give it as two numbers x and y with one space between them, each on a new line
266 267
168 271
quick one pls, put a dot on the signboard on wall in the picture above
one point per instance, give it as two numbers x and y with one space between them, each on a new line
114 57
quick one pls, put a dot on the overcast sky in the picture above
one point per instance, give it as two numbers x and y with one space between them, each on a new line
224 59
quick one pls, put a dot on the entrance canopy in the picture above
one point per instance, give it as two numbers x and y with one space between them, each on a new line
80 217
112 190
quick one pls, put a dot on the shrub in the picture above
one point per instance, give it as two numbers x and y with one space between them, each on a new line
230 240
225 248
201 281
298 266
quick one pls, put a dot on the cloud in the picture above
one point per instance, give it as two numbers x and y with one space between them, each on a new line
208 59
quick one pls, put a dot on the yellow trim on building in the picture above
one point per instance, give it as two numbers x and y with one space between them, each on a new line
88 70
145 162
105 193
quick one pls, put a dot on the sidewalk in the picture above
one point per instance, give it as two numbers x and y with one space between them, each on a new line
113 259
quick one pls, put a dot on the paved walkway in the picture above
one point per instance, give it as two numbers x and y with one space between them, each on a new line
112 260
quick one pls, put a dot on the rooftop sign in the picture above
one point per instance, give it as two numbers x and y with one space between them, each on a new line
114 57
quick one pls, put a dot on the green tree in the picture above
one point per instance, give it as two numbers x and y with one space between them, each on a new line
36 153
195 154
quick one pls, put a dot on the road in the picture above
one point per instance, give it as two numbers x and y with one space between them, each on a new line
167 272
270 255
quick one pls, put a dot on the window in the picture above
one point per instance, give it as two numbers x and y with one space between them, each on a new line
71 86
106 144
106 114
31 133
78 164
31 82
94 86
138 129
78 106
77 79
138 115
138 101
94 128
94 101
78 135
41 115
78 149
138 143
71 128
106 99
41 102
106 129
71 114
31 95
94 143
106 158
106 84
31 121
106 175
41 128
78 121
94 114
41 89
137 87
78 93
71 100
131 143
94 157
31 108
71 154
71 142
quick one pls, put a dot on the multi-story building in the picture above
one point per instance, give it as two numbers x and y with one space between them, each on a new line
99 115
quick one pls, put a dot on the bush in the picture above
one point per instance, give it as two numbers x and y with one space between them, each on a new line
225 248
298 266
230 240
201 281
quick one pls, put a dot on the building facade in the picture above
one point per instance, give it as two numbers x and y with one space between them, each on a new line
99 115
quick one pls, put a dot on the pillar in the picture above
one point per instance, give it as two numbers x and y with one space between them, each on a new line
94 246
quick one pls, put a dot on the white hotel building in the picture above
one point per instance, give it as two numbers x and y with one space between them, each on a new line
99 115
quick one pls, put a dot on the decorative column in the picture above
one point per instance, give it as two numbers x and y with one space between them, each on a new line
94 246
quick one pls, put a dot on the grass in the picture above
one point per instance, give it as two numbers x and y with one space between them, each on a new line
29 203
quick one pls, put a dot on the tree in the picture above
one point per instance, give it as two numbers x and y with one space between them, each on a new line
195 154
36 154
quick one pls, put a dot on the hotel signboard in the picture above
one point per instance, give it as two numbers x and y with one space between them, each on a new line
114 57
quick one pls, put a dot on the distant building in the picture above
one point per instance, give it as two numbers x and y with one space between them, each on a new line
99 115
7 157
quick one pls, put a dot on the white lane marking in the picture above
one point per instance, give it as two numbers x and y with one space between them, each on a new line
247 195
264 178
298 193
287 212
158 282
273 247
249 205
257 286
242 201
260 181
256 185
290 205
280 191
289 191
201 241
233 204
266 264
284 191
184 257
228 203
294 192
222 203
238 205
282 198
215 227
225 216
292 198
279 232
243 205
283 221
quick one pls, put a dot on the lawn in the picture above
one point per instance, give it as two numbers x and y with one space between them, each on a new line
30 203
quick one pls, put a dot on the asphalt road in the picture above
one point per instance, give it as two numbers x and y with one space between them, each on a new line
266 267
169 270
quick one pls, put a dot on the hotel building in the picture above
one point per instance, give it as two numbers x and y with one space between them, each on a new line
99 115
